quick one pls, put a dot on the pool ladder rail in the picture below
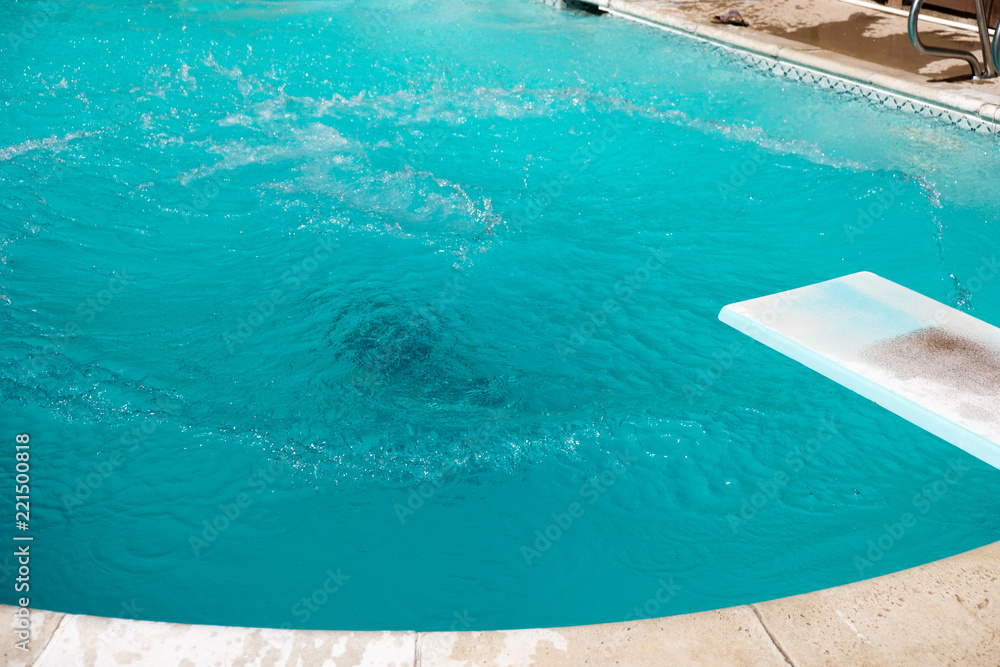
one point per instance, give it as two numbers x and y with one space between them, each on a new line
991 55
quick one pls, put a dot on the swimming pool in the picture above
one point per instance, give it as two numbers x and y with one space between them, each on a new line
367 316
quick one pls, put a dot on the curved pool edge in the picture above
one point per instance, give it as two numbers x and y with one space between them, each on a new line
970 106
944 612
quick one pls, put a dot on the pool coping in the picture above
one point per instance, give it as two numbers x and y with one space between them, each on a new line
944 612
963 106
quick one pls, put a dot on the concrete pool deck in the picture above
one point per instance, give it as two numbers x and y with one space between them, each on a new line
834 37
943 613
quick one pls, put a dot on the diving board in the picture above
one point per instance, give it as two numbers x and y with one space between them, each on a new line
931 364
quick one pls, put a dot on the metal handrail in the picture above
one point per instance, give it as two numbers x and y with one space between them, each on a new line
991 58
984 40
996 46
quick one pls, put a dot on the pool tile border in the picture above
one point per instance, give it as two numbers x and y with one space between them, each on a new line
876 96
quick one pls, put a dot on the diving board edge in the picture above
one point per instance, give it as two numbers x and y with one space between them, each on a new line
944 428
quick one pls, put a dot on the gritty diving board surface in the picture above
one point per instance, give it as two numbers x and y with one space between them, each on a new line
929 363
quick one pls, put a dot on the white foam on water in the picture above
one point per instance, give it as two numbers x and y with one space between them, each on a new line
316 140
51 143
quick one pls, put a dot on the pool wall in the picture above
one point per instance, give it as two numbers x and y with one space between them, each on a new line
946 612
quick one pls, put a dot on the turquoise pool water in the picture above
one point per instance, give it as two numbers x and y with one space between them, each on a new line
403 315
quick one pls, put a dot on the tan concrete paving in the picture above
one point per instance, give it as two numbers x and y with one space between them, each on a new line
43 625
872 36
731 636
835 37
865 34
942 613
91 641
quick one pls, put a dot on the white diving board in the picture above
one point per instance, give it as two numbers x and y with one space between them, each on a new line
931 364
